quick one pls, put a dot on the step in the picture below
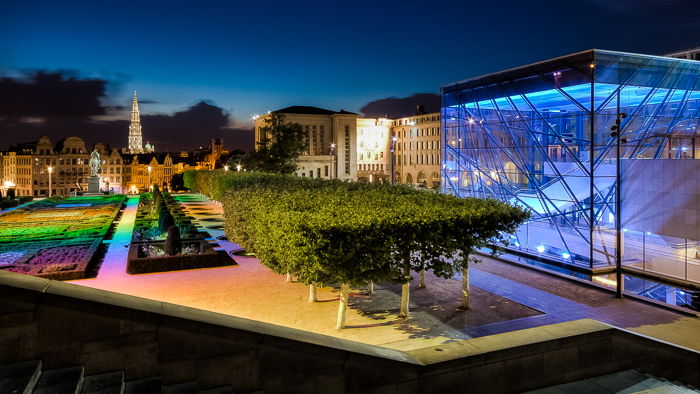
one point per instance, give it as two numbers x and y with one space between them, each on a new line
19 377
62 380
144 386
218 390
181 388
104 383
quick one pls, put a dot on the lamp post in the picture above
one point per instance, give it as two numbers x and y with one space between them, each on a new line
393 159
331 158
238 167
149 177
617 134
50 171
226 168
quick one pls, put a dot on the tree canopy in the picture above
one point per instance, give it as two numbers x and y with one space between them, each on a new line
280 145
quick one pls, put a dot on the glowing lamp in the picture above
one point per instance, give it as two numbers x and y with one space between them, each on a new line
540 248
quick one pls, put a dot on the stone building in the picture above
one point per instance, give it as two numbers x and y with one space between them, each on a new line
331 138
26 168
374 149
417 153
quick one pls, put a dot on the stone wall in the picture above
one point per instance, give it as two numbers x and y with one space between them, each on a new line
65 325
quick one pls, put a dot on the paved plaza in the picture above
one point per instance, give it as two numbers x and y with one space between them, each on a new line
504 297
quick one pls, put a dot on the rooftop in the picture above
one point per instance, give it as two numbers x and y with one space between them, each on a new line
308 110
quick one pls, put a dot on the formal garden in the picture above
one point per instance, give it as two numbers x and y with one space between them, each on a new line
57 238
327 232
165 239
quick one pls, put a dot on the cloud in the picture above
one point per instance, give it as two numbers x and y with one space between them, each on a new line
51 94
59 105
395 107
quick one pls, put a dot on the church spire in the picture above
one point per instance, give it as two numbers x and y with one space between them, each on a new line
135 138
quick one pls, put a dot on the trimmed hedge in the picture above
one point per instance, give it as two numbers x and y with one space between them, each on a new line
333 231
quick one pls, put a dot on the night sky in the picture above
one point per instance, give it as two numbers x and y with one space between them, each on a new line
203 68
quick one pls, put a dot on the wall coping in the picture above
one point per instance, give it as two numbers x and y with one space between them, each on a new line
423 356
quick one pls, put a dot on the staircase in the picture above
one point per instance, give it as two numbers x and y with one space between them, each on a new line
30 378
625 382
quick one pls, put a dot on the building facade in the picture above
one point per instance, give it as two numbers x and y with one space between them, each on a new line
374 143
417 160
542 136
331 141
27 168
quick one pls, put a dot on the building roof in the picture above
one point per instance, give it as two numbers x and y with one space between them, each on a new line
307 110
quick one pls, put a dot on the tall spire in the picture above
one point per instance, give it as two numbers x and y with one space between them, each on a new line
135 138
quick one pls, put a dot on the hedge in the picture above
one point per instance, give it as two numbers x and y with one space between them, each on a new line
353 233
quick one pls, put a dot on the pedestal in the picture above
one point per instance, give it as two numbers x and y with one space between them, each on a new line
93 184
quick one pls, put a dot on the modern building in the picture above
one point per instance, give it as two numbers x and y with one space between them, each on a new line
331 140
135 137
541 136
417 150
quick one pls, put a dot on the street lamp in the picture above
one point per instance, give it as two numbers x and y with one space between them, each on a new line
393 159
50 171
617 134
226 168
149 177
331 159
238 167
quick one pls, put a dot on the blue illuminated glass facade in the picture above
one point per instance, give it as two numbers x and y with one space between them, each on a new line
540 136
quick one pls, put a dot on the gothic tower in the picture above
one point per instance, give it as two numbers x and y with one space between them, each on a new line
135 139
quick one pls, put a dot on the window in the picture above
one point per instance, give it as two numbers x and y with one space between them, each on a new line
325 171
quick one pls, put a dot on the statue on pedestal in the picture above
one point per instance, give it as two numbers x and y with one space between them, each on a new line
94 179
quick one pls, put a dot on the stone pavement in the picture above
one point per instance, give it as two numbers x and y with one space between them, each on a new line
504 298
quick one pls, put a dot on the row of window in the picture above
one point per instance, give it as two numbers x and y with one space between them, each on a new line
371 167
412 133
420 119
420 145
432 160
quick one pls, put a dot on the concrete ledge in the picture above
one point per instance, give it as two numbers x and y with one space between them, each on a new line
65 325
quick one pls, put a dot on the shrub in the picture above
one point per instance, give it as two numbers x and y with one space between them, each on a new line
350 233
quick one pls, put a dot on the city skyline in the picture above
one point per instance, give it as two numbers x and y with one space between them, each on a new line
215 65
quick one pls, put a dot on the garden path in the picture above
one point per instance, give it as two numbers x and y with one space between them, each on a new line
504 298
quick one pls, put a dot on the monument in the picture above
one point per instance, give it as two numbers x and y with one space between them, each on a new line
94 178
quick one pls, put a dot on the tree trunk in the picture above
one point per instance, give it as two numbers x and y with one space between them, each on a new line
405 289
421 283
289 277
313 294
342 306
370 288
465 288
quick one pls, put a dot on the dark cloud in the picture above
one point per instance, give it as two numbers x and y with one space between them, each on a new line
192 128
395 107
59 104
51 94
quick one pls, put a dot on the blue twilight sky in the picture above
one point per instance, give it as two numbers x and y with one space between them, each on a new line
250 57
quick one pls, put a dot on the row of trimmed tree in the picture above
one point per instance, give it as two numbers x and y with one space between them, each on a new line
352 234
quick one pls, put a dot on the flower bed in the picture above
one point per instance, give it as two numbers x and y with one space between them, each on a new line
147 250
149 257
56 238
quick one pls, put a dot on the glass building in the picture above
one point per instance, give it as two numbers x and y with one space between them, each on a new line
540 136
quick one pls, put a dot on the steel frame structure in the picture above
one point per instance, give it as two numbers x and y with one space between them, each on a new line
539 136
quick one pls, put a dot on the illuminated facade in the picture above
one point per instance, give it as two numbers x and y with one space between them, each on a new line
27 169
135 138
417 160
374 149
540 136
331 139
